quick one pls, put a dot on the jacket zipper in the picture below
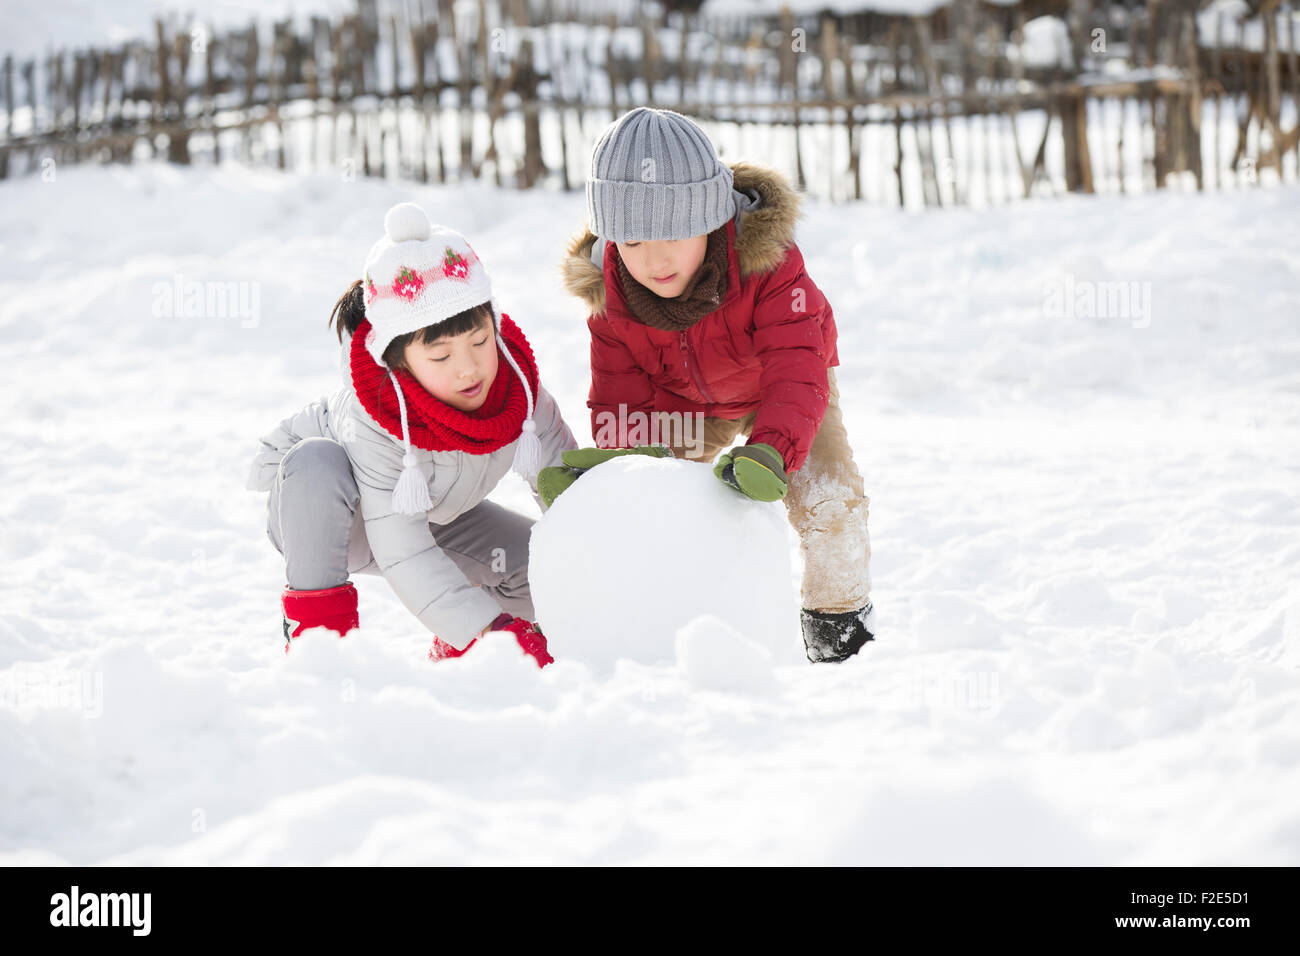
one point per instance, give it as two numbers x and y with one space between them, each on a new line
686 352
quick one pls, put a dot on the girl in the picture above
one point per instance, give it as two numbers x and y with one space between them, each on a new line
700 308
390 474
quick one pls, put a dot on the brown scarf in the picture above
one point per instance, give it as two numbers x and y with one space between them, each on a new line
704 294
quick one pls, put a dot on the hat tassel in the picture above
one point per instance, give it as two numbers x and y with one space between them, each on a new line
528 453
411 493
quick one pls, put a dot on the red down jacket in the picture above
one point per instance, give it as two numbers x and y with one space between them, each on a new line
765 349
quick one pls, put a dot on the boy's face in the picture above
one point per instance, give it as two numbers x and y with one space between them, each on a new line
664 266
458 369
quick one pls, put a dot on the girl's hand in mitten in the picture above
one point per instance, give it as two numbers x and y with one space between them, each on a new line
529 637
754 470
552 482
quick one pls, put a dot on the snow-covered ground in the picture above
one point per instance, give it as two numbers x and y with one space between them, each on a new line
1085 520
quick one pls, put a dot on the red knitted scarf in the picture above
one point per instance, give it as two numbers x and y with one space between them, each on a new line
433 424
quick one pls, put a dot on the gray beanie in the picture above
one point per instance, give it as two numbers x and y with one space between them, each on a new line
655 175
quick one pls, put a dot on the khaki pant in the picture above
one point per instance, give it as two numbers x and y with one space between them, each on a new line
825 502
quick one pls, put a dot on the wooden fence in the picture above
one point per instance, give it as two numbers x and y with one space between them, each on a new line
953 107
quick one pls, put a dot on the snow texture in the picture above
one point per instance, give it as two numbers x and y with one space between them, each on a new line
1085 520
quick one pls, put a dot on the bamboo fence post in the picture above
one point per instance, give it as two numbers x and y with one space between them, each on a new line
275 90
850 125
54 79
527 86
333 42
610 70
250 84
682 30
435 120
1119 145
395 49
990 76
1216 58
179 139
716 69
109 72
162 91
209 106
464 111
650 55
791 74
1194 101
9 95
29 78
1017 77
78 78
554 41
933 193
895 40
494 91
1273 86
9 114
418 36
1294 70
828 44
962 12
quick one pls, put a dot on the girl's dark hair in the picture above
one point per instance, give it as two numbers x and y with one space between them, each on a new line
350 309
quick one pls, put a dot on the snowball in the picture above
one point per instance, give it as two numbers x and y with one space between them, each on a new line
638 547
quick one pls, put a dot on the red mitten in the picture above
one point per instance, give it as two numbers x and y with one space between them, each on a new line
527 636
530 638
335 608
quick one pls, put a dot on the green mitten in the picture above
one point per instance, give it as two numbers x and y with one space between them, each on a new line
552 482
755 470
585 458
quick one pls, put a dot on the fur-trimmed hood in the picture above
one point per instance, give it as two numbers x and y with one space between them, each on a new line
763 234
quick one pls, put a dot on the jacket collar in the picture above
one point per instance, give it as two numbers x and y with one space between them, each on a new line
758 245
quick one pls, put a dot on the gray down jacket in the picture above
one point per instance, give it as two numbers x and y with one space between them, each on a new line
425 579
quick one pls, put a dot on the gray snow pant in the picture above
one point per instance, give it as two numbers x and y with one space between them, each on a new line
314 520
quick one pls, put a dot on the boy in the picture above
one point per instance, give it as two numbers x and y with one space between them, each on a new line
700 309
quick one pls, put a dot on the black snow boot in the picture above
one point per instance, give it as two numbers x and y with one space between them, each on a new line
836 637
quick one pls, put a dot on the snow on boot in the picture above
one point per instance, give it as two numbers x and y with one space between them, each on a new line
441 650
335 608
836 637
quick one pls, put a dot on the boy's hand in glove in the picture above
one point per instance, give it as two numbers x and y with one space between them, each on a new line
551 482
755 470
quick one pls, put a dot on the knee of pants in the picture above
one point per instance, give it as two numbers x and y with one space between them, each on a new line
315 453
314 477
825 504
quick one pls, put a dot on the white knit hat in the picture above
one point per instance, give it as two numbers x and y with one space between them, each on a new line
415 276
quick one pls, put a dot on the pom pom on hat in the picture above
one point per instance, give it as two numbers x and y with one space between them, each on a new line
406 221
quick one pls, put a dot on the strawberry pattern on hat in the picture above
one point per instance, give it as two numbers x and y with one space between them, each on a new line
408 284
454 265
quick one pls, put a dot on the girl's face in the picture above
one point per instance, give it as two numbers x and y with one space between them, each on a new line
457 370
664 266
